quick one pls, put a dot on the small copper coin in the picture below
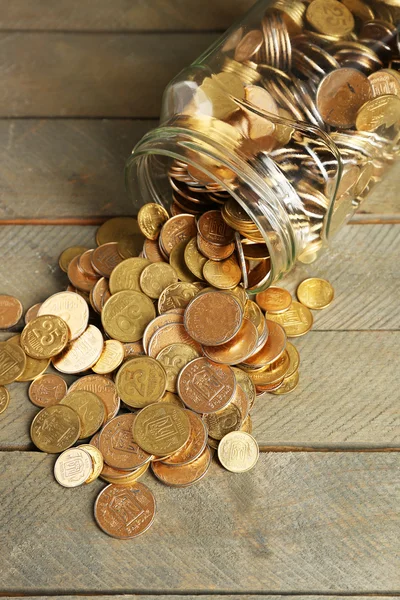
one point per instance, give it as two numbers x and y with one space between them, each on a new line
160 321
194 446
47 390
151 251
274 300
79 278
100 294
10 311
174 333
177 229
249 45
214 252
185 475
105 258
32 313
161 428
273 347
124 512
213 318
238 349
4 398
213 228
85 264
68 254
205 386
104 388
107 471
117 446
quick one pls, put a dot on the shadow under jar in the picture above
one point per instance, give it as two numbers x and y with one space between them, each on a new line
284 125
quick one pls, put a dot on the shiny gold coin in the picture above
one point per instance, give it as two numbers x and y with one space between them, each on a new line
194 260
117 229
273 374
126 275
151 218
236 350
380 113
274 300
89 408
177 261
175 230
127 479
246 383
141 381
385 81
73 467
12 362
224 274
81 354
126 315
45 336
68 254
111 357
177 295
173 358
33 366
272 349
155 278
294 358
289 384
172 399
330 17
55 428
97 461
71 307
161 429
296 321
315 293
238 452
4 398
174 333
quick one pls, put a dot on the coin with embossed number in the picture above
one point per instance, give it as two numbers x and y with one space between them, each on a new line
71 307
126 315
161 429
223 275
55 428
47 390
173 358
330 17
177 295
141 381
155 278
238 452
89 408
73 467
126 275
45 336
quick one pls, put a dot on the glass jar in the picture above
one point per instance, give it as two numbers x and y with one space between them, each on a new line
285 124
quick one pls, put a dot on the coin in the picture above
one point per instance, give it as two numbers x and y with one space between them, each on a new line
161 429
55 428
126 275
246 383
294 358
141 381
129 478
172 399
330 17
381 112
175 230
124 512
118 447
238 451
183 475
89 408
79 278
116 229
107 471
223 421
296 321
274 299
173 358
273 348
260 126
47 390
194 260
10 311
213 318
236 350
12 362
73 467
174 333
81 354
68 254
4 398
194 446
385 82
214 229
33 366
249 45
151 218
96 459
44 337
177 295
32 313
85 264
105 258
71 307
133 349
155 278
315 293
126 315
155 324
272 374
205 386
177 261
152 251
131 245
104 388
224 274
289 384
111 357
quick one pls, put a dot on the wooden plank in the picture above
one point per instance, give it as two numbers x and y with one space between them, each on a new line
86 75
184 596
162 15
301 522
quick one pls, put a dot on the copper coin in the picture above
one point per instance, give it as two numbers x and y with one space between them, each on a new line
107 471
157 323
85 264
32 313
213 251
117 445
10 311
249 45
240 347
78 278
271 387
174 333
104 388
68 254
151 251
177 229
213 228
100 294
47 390
194 446
213 318
273 373
341 94
133 349
125 512
105 258
185 475
272 349
205 386
274 300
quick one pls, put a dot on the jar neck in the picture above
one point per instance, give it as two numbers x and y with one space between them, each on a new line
257 185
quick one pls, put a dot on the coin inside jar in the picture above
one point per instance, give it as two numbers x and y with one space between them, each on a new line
213 318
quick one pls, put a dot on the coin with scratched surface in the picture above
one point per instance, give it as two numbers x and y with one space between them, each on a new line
213 318
12 362
97 461
141 381
90 409
224 274
236 350
45 336
111 357
47 390
10 311
238 452
177 295
4 398
173 358
194 446
117 446
272 349
315 293
161 429
126 275
71 307
274 300
55 428
124 512
151 217
205 386
73 467
104 388
183 475
155 278
81 354
296 321
126 315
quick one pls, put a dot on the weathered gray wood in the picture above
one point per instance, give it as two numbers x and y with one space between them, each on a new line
106 75
83 175
299 521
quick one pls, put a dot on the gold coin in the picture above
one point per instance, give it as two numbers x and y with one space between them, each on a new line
247 385
81 354
71 307
194 260
247 425
272 349
177 261
126 275
97 461
155 278
175 230
381 112
296 321
177 295
141 381
385 82
173 358
155 324
68 254
274 300
126 315
172 399
238 452
224 274
73 467
161 429
273 373
315 293
294 358
288 385
111 357
4 398
117 229
33 366
223 421
90 409
151 218
12 362
55 428
131 245
330 17
44 337
127 479
174 333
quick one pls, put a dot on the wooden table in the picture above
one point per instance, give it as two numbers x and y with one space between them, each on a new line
318 517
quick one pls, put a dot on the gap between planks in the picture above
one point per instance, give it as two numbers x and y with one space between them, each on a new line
132 595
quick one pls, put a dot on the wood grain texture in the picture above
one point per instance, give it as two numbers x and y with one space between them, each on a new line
86 75
83 177
307 522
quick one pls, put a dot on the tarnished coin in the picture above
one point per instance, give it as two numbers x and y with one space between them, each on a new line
274 299
126 315
68 254
111 357
238 451
289 384
10 311
273 348
205 386
105 258
315 293
161 429
173 358
177 295
97 461
118 447
45 336
12 362
155 324
81 354
4 398
104 388
294 358
71 307
175 230
155 278
151 218
183 475
194 446
213 318
177 261
249 45
126 275
174 333
296 321
116 229
47 390
224 274
141 381
55 428
214 229
73 467
89 408
32 313
238 349
330 17
125 512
